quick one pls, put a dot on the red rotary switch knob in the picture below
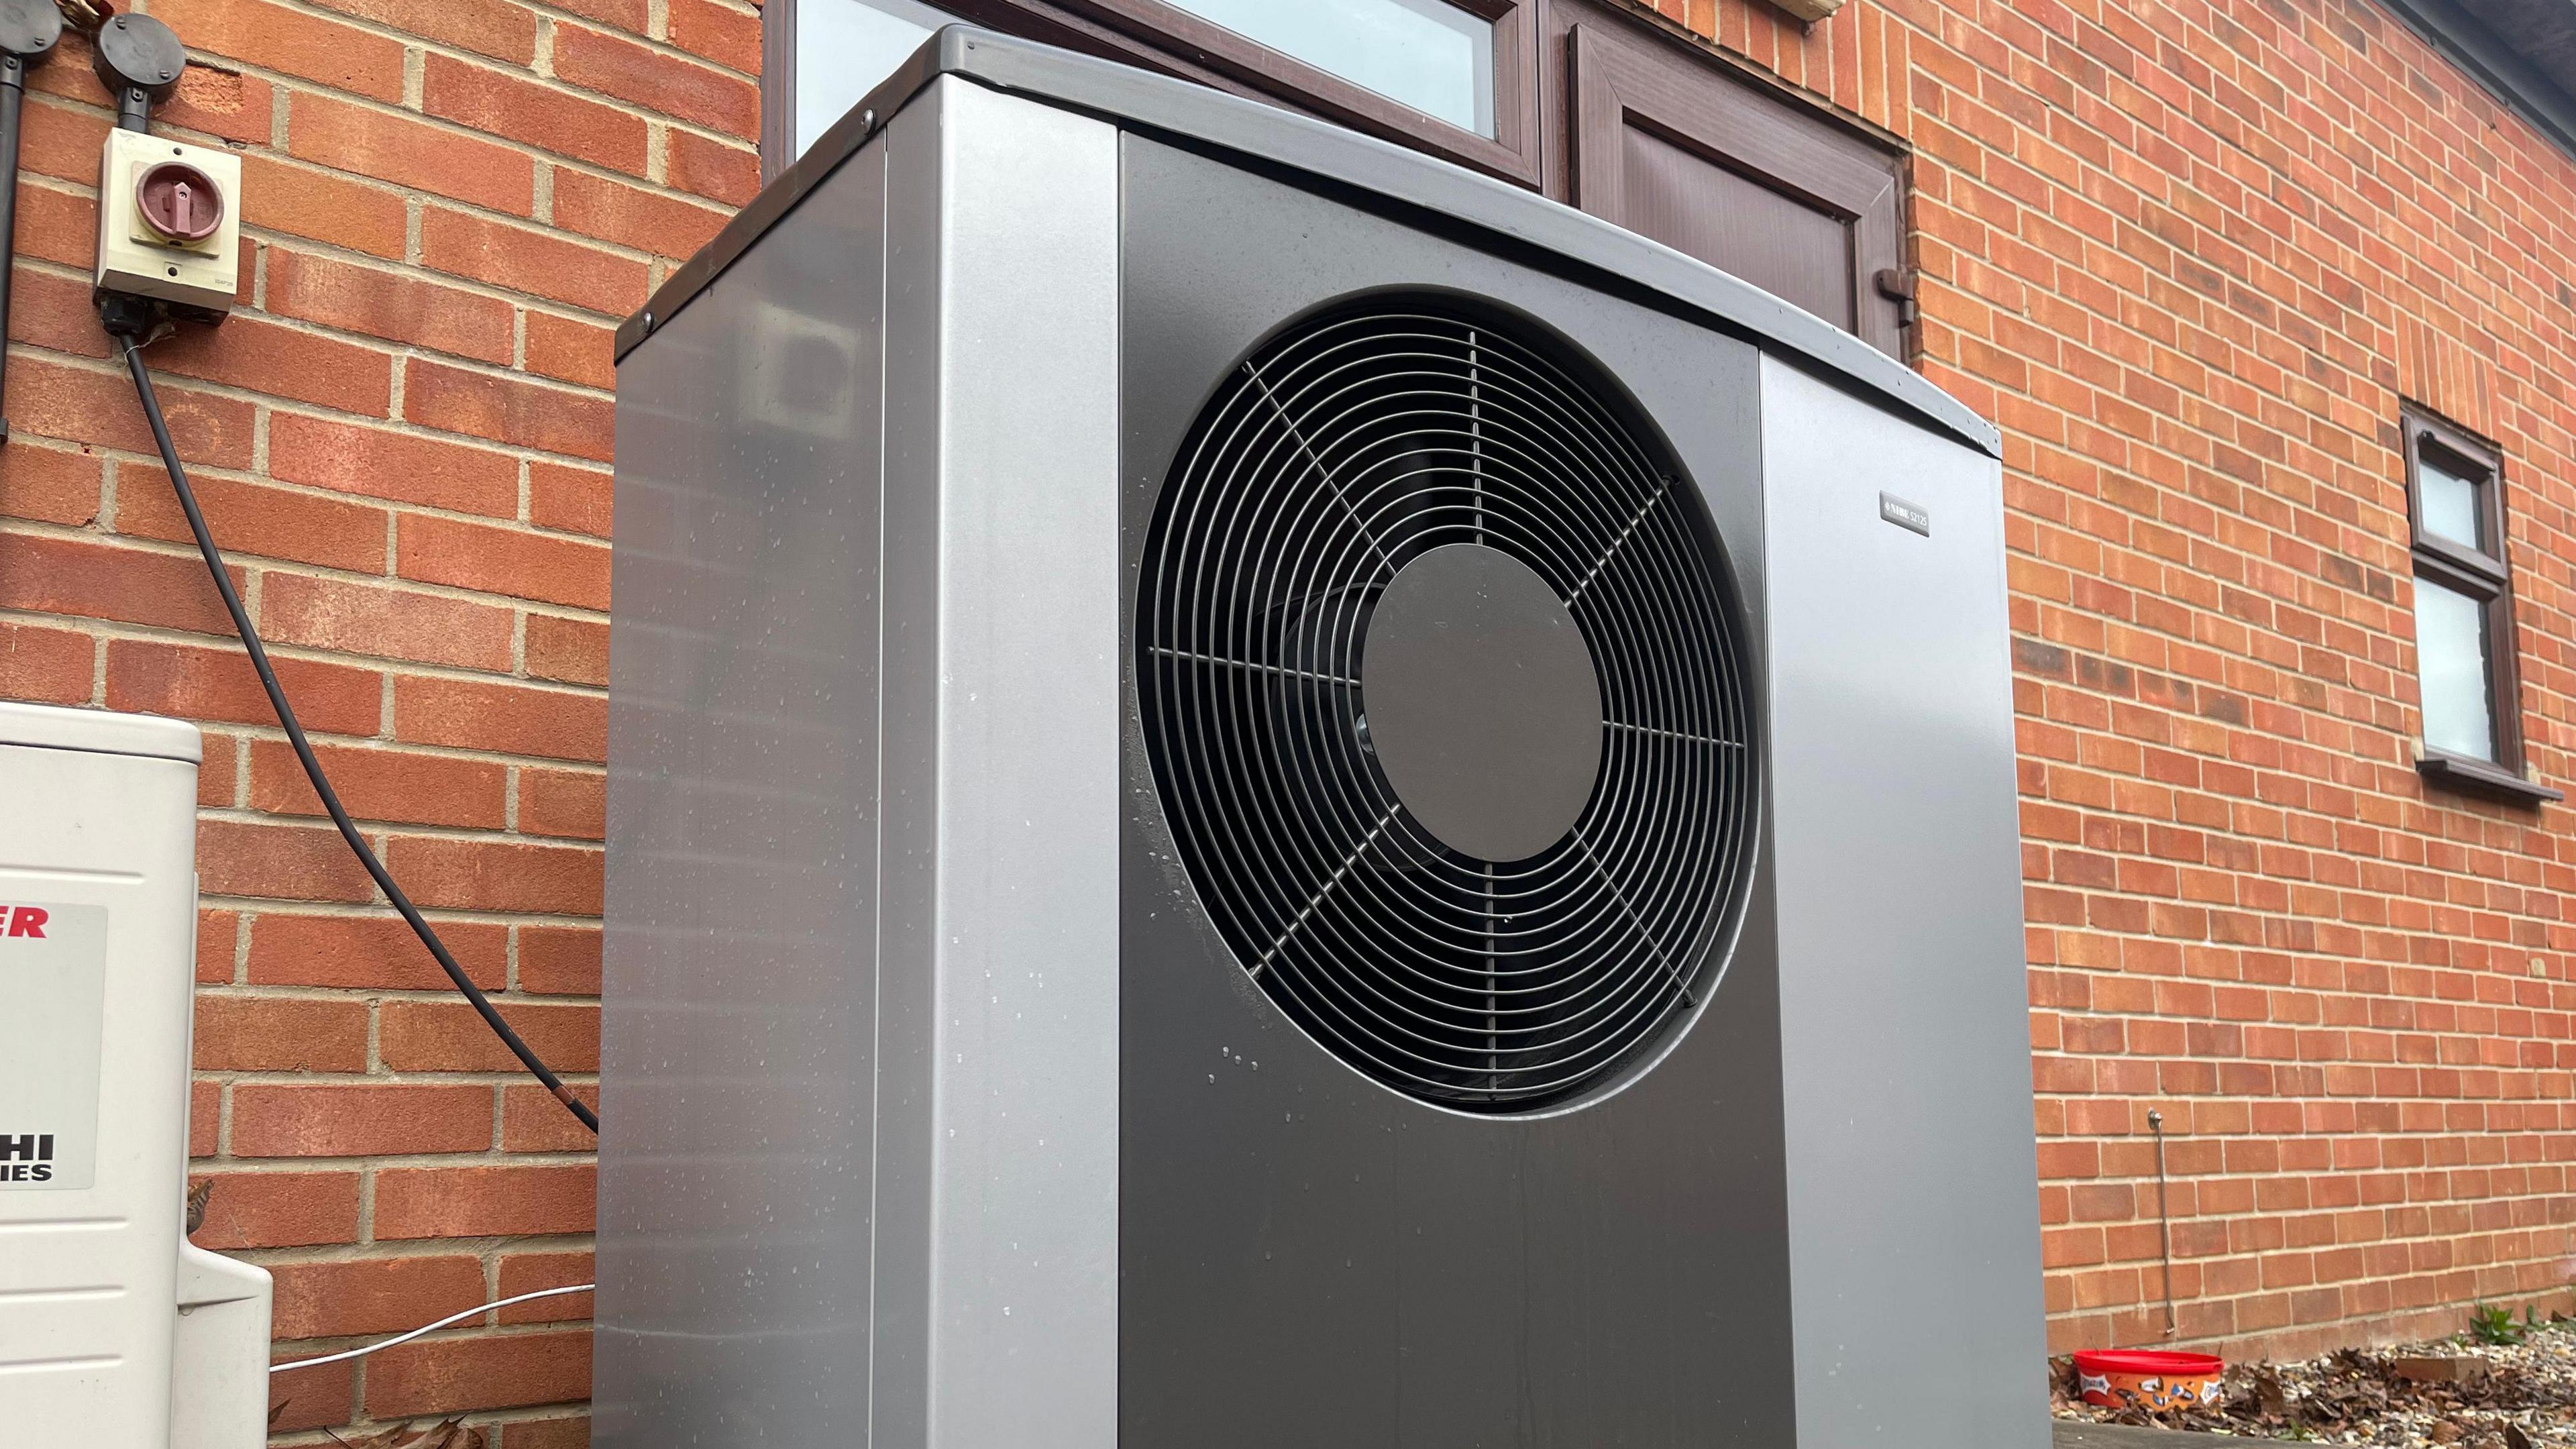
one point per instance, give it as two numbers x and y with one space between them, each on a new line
180 201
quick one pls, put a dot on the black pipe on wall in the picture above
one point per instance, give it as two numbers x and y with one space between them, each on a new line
28 31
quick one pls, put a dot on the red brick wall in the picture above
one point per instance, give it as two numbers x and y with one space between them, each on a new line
402 438
2190 254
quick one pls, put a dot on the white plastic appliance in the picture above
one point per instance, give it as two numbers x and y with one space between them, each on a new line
115 1331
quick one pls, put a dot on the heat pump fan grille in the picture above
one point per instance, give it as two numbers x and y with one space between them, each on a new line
1446 704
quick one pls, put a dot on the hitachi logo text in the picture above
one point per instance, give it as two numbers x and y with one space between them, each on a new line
26 1157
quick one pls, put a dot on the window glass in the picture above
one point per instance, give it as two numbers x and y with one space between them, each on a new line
2448 501
844 48
2451 658
1433 57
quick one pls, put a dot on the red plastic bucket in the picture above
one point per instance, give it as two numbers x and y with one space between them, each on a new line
2151 1378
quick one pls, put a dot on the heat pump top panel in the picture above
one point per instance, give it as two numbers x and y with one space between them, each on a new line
99 732
1599 251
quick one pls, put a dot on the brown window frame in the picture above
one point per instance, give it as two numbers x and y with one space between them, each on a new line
1511 152
1560 68
2483 575
1153 34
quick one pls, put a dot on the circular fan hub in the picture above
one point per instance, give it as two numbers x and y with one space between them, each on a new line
1483 706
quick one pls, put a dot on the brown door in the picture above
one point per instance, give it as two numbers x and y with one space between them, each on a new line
1673 146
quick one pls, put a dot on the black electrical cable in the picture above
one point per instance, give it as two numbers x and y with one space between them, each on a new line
312 767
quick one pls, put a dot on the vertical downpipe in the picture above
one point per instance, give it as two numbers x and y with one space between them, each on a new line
28 30
13 96
2164 1219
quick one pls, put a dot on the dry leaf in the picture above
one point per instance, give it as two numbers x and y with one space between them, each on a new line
197 1199
2269 1396
453 1434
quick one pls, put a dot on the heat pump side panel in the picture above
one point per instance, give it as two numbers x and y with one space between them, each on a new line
997 1228
1914 1234
739 1035
103 845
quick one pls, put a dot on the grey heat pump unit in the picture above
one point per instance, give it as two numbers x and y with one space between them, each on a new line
1266 794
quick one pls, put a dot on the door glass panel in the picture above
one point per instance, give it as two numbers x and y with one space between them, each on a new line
1433 57
844 48
2451 658
2449 502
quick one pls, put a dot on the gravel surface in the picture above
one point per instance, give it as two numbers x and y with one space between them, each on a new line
2506 1396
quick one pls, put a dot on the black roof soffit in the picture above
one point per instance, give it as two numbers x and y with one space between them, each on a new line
2524 51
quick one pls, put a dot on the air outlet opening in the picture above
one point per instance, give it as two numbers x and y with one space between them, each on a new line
1446 703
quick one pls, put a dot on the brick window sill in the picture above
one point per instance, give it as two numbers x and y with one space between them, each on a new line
2477 777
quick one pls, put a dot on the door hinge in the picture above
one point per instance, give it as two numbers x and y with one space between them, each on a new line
1896 284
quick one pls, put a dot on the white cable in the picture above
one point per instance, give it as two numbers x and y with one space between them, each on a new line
427 1328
